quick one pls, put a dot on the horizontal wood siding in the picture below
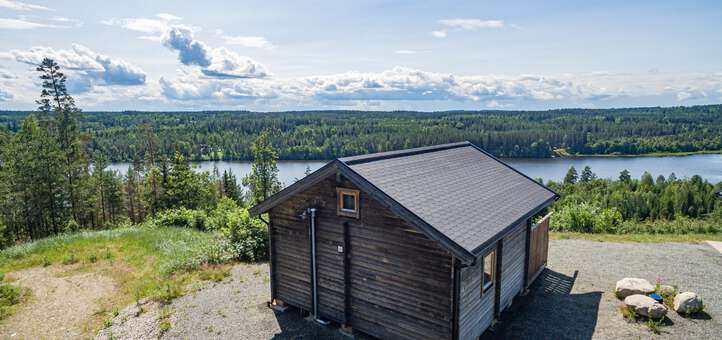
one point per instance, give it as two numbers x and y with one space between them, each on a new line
512 267
476 311
401 281
291 257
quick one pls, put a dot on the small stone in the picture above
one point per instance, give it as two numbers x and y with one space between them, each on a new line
631 286
645 306
688 302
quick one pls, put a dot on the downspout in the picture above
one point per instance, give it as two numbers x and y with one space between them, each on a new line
314 283
314 269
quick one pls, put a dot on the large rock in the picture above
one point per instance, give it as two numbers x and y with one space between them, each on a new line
688 302
645 306
630 286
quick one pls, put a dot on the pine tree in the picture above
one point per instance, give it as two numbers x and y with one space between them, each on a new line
59 115
571 176
587 175
263 179
624 176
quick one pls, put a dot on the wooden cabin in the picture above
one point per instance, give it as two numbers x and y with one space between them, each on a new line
425 243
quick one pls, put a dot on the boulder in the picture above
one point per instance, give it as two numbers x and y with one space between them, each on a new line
645 306
688 302
666 290
631 286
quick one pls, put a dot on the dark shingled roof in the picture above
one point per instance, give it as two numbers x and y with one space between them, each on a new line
458 194
460 190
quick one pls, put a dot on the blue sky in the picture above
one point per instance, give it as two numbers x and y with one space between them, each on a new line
369 55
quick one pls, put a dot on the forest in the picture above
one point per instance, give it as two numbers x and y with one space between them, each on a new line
646 205
322 135
54 177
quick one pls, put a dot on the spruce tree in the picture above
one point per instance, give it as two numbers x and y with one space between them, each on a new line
587 175
571 176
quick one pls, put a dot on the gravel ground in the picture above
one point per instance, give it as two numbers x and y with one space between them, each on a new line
236 309
574 298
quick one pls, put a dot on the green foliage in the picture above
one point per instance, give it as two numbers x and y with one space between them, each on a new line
637 206
167 292
215 275
571 176
181 217
9 296
263 179
69 258
248 236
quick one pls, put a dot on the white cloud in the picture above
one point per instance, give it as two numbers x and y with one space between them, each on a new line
85 67
471 24
22 6
5 95
68 21
21 24
214 62
439 34
405 52
193 86
145 25
6 75
168 17
248 41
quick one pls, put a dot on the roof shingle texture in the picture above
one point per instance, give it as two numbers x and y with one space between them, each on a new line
462 192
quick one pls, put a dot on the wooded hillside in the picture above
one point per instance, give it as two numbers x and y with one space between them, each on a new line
123 136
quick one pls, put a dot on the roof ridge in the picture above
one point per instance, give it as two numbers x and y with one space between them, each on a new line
401 153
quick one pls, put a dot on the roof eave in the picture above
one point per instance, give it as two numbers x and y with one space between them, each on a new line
294 188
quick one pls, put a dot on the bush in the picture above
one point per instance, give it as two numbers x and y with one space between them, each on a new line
586 218
181 217
248 236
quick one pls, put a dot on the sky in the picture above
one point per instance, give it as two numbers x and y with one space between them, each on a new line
364 55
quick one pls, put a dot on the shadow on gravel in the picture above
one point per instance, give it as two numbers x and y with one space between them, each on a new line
294 324
549 311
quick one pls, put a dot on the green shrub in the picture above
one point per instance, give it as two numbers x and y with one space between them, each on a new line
9 295
248 236
181 217
586 218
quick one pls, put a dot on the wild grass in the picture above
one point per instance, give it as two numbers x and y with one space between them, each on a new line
640 238
145 262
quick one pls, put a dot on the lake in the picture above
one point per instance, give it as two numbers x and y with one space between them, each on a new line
707 166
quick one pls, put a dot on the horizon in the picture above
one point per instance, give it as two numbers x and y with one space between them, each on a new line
372 56
381 111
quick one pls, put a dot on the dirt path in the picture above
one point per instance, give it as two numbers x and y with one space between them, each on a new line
63 301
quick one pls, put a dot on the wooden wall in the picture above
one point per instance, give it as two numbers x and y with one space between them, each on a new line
400 281
512 266
476 311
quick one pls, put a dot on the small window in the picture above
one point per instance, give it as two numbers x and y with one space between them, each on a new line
348 202
489 271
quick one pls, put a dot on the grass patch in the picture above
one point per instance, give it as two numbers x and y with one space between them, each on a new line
145 262
10 296
643 238
214 274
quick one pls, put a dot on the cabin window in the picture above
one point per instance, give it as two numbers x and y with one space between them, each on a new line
348 202
488 271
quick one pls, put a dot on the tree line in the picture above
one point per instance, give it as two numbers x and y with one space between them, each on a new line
625 205
320 135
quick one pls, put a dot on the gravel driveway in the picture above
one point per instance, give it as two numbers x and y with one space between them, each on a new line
573 299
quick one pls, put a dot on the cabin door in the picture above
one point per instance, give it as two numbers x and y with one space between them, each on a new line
329 265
